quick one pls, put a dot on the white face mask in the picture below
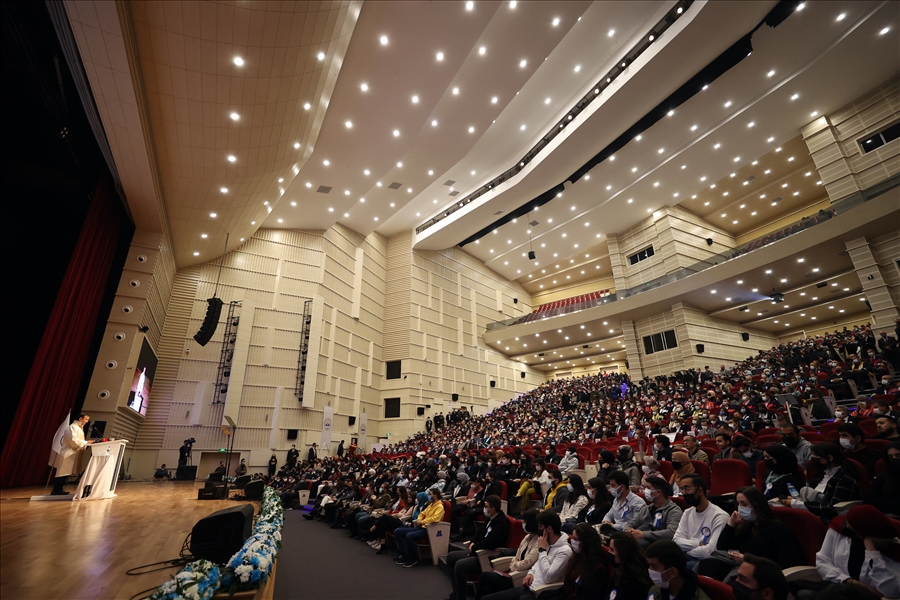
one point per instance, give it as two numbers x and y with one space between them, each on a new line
840 415
569 487
576 546
848 444
486 513
592 493
657 578
648 494
614 491
647 470
746 513
747 454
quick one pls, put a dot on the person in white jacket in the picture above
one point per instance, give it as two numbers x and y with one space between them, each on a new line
569 461
867 525
700 525
66 462
554 554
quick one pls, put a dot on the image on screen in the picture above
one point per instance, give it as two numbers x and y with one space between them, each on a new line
141 385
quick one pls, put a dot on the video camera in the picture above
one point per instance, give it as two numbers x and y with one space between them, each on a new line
189 442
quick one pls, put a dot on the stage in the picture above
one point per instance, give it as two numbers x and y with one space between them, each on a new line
81 550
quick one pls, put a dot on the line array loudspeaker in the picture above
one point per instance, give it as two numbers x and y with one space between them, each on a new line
210 321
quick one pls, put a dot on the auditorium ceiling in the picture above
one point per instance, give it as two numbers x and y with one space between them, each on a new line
383 115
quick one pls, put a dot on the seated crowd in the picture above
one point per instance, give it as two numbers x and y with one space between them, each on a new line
693 485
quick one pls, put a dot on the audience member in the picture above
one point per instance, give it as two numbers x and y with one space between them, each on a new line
463 563
524 558
630 579
701 524
671 576
659 519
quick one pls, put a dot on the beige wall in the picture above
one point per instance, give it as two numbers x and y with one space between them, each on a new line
832 141
721 340
678 238
849 322
437 306
886 250
577 289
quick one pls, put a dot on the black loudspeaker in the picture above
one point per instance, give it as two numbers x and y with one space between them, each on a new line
186 473
515 300
215 477
709 242
493 383
292 434
531 255
523 374
700 348
351 420
254 490
241 481
214 492
210 321
420 410
454 397
218 536
745 336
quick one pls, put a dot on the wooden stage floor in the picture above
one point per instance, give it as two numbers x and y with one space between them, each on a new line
81 550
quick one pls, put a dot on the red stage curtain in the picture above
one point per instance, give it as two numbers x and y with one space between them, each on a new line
53 382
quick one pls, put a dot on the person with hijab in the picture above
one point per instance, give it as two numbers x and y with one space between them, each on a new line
606 464
782 465
600 501
627 464
649 469
576 500
273 465
682 466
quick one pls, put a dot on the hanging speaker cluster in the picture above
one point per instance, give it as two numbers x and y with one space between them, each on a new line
210 322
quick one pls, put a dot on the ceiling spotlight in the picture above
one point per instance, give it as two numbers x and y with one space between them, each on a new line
556 21
307 106
224 190
384 40
440 56
482 50
523 63
348 124
239 61
231 158
234 116
321 55
470 5
296 145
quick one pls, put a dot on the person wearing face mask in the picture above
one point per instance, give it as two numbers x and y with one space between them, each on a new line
700 524
558 492
659 519
759 579
881 408
672 578
586 574
569 461
751 529
852 440
743 450
576 500
606 465
802 449
534 485
460 512
406 536
884 493
599 503
831 486
551 456
554 555
522 559
628 466
694 451
625 507
663 448
463 563
649 469
782 472
682 467
841 415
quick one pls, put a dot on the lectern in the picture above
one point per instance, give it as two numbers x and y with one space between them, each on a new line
102 472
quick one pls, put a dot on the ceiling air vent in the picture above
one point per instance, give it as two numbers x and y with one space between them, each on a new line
499 212
534 223
454 193
323 189
449 182
749 179
394 186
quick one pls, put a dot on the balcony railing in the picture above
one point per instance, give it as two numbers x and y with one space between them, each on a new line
842 206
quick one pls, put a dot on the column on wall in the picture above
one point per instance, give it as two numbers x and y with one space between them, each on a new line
632 350
873 280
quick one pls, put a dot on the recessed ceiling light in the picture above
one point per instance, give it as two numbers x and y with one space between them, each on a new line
293 203
470 5
884 31
727 104
384 40
281 220
556 21
455 91
795 96
512 3
326 162
231 158
814 113
238 61
440 56
482 50
523 63
348 124
841 16
204 236
471 130
612 32
522 128
321 55
639 137
661 150
577 68
630 200
196 254
770 73
235 117
717 146
306 106
224 190
396 133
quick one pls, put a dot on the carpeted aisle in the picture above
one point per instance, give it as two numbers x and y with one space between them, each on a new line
319 563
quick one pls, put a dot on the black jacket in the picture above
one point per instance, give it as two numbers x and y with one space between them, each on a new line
496 534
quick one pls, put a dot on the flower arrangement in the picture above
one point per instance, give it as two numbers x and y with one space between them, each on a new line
198 580
248 569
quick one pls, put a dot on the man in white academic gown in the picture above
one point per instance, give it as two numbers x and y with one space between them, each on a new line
71 445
